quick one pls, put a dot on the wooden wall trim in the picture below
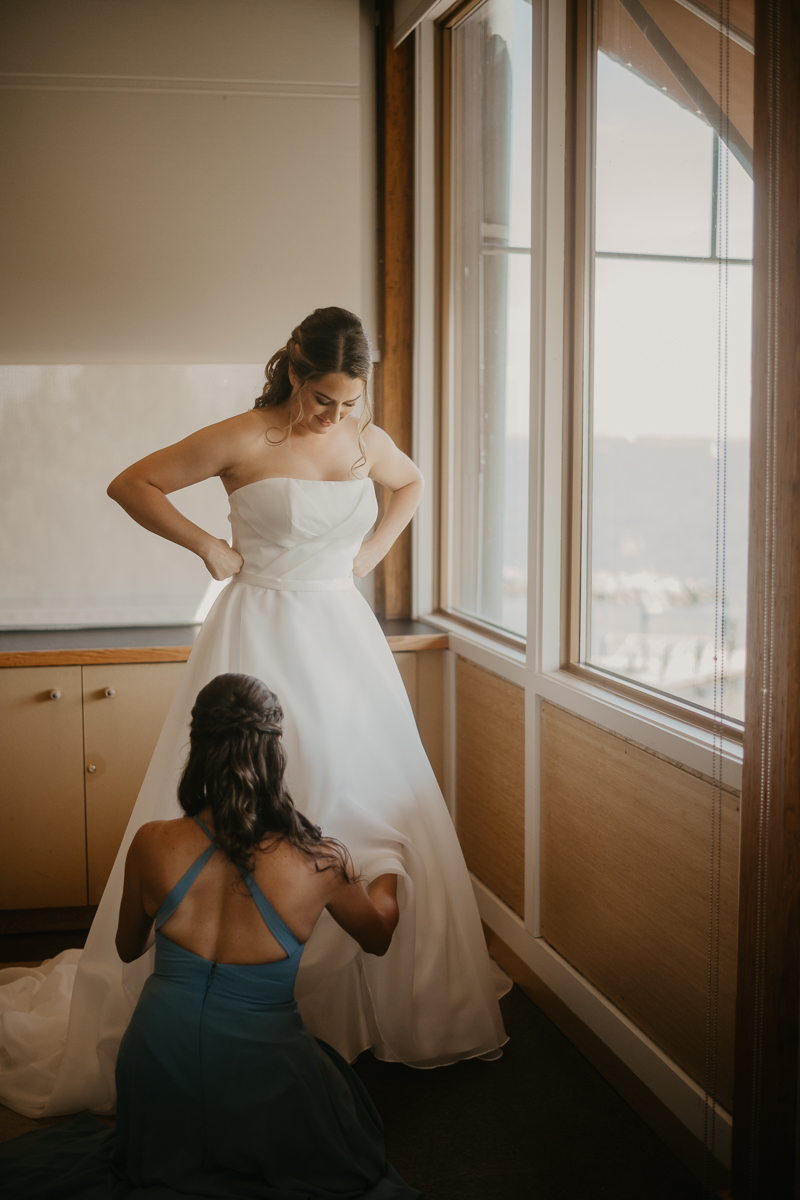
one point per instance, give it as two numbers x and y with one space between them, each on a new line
765 1148
394 376
82 658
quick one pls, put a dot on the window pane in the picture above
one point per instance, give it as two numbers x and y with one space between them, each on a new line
490 282
654 476
654 169
670 340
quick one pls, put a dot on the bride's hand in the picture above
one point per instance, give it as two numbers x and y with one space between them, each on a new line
368 557
222 560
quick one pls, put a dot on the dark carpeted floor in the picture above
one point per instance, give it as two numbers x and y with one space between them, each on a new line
540 1123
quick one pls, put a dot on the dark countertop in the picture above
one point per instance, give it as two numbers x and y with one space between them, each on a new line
108 638
98 638
168 643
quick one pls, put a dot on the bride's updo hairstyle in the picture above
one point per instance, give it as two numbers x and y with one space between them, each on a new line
236 767
331 341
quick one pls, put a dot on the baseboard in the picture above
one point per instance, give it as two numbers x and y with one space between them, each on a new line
680 1140
45 920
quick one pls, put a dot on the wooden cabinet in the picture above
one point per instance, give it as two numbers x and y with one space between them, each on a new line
75 743
124 707
42 819
73 759
422 672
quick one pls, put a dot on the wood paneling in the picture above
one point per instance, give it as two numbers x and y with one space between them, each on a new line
625 885
42 829
423 676
407 666
120 735
766 1149
490 780
430 709
394 378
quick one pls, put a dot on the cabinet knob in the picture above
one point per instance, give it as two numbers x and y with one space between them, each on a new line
91 768
55 694
110 692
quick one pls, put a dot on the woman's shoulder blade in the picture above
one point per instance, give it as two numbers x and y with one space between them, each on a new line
158 836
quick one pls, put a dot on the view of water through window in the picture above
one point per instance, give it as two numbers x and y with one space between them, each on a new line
670 339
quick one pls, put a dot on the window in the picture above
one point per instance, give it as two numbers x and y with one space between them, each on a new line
487 286
666 397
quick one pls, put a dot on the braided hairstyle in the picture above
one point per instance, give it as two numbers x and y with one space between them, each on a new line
236 766
330 341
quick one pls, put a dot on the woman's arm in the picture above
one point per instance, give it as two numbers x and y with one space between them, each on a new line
142 491
396 472
135 931
371 918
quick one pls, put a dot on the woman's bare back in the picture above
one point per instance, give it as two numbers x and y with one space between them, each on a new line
217 918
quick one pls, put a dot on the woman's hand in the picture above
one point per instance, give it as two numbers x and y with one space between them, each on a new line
368 557
222 560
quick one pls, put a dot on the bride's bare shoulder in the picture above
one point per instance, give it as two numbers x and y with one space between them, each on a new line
244 428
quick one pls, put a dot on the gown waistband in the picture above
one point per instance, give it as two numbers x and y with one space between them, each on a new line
294 585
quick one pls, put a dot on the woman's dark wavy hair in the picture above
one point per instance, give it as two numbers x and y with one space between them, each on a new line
236 766
330 341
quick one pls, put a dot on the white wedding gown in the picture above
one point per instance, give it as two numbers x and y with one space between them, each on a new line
294 618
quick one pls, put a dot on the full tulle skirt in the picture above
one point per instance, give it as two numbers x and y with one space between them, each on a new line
358 769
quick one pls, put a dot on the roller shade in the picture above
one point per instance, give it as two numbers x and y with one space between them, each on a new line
675 46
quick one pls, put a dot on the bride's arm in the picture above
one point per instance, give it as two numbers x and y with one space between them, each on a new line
142 491
396 472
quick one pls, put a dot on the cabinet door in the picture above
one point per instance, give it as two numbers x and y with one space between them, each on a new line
120 733
42 829
422 671
407 666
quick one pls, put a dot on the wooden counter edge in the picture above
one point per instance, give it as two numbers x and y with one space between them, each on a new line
158 654
85 658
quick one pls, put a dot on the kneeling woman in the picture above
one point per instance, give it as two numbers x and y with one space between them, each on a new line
222 1091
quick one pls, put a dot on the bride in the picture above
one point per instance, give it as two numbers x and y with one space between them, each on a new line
298 469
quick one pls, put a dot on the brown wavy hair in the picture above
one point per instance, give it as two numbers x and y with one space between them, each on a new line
330 341
236 767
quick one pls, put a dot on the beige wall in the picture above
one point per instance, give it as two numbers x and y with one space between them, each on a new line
183 182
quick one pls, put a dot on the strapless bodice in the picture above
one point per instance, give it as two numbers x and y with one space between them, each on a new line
301 534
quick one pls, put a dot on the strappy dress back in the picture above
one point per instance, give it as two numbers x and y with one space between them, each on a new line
222 1092
274 923
218 1074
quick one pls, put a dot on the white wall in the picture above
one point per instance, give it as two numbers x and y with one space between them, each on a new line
183 182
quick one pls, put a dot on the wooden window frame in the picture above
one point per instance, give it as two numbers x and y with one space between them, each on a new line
581 76
444 28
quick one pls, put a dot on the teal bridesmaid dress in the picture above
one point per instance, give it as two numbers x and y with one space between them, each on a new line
221 1092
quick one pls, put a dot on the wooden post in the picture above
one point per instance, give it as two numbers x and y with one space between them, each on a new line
394 377
765 1151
